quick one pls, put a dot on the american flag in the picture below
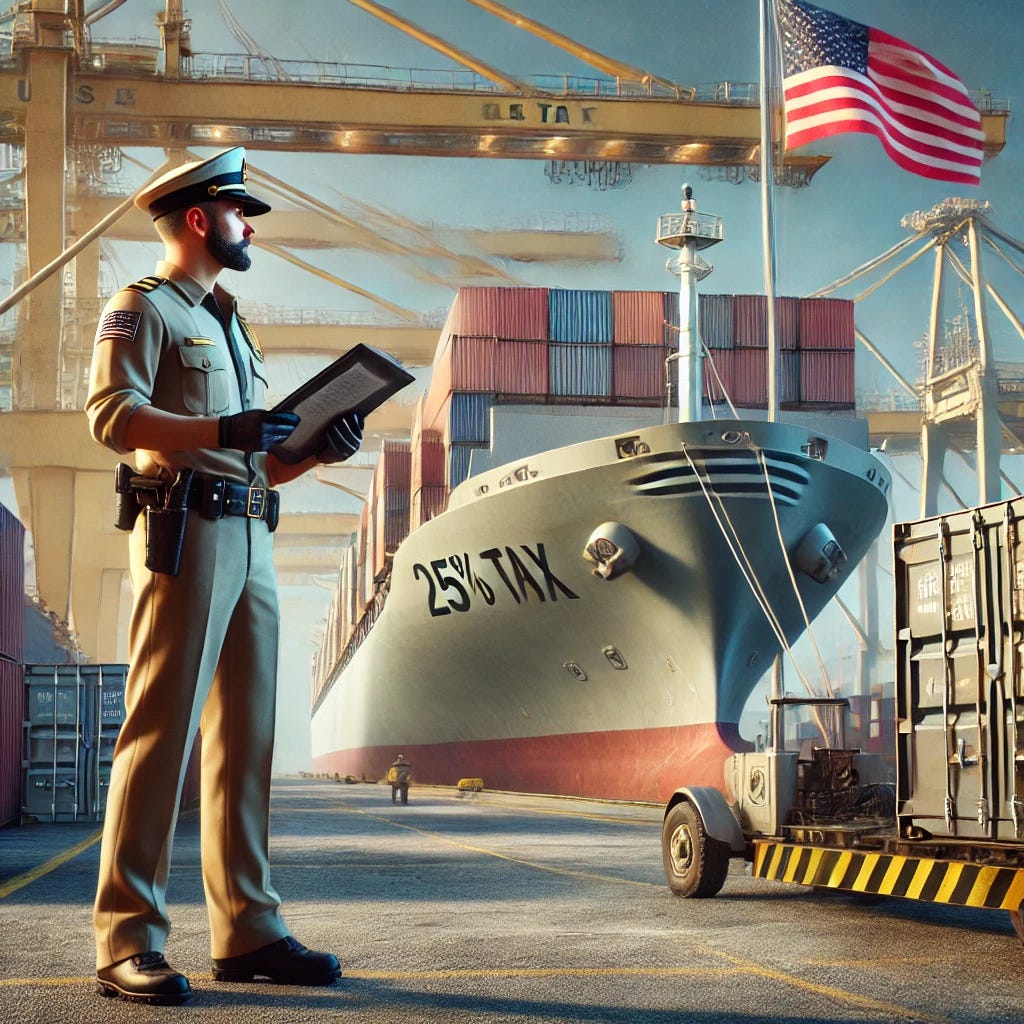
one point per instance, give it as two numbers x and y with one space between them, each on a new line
841 76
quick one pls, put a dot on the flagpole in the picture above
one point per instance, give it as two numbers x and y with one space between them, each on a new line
766 98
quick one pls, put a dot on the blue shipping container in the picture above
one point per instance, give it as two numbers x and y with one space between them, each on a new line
580 369
580 315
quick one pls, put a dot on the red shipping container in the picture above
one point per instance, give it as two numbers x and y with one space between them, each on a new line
638 371
750 321
718 374
827 378
521 368
12 586
428 502
427 460
520 313
826 323
638 318
12 710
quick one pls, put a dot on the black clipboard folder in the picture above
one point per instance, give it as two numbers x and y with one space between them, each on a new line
358 381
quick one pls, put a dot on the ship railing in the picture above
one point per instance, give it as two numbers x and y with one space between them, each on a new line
360 631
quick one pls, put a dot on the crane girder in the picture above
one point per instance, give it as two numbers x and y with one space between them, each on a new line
131 110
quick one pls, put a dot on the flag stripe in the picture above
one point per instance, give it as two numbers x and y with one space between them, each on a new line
841 76
832 88
845 93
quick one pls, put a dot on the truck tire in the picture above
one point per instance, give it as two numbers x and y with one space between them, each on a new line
695 864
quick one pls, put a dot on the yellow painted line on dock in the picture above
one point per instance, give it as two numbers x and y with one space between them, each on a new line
28 877
892 1011
438 837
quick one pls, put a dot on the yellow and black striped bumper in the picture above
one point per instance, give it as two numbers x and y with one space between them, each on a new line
916 878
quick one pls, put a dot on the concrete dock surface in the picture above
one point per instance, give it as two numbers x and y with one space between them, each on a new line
501 908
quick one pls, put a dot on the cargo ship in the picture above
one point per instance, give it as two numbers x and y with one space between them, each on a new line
556 591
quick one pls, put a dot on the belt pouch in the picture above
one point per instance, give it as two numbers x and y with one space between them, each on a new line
165 538
273 513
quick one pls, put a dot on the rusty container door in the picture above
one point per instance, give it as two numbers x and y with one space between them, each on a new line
959 691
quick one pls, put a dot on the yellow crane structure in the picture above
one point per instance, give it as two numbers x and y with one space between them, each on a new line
62 96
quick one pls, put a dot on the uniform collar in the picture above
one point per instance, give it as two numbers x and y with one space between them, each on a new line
189 288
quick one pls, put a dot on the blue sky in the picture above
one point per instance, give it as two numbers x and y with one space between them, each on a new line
849 214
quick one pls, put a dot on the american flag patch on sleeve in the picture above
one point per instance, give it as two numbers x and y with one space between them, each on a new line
119 325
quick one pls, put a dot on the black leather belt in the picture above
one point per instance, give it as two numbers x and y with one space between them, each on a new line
215 497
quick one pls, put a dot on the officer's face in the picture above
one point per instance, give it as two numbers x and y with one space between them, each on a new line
228 237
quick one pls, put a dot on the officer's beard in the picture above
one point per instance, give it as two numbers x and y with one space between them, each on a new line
231 255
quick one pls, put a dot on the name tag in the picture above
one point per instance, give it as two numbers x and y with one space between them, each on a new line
192 342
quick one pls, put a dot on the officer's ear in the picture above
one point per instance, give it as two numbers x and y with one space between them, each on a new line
197 220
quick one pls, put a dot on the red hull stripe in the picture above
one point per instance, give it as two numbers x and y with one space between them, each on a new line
631 764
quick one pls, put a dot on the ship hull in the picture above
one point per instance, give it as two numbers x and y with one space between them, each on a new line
500 654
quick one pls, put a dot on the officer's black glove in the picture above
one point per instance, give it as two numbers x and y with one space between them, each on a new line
342 438
256 430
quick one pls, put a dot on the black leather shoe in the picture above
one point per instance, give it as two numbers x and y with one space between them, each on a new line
143 978
286 962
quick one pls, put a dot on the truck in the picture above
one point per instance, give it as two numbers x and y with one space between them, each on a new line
937 814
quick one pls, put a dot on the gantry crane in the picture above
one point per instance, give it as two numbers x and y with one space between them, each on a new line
58 91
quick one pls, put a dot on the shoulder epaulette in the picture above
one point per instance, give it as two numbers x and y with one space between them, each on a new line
147 284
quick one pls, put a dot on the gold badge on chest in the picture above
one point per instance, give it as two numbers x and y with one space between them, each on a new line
250 338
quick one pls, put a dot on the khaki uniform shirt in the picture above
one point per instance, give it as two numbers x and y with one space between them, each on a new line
156 344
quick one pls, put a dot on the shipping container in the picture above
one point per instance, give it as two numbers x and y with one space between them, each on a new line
427 460
579 315
638 371
670 319
459 455
521 368
750 321
827 377
72 717
427 502
579 370
959 679
11 702
638 318
519 313
12 651
827 323
714 320
468 417
12 586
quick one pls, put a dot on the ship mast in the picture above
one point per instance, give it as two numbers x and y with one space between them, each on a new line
687 232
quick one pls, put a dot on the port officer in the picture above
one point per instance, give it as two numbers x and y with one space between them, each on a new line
178 378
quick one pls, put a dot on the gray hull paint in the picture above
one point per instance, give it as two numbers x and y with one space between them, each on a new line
496 631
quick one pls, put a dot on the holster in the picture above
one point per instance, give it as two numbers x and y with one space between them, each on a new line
165 527
132 493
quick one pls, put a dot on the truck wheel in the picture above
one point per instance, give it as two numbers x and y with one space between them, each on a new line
695 863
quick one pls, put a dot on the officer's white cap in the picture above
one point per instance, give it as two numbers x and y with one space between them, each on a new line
220 177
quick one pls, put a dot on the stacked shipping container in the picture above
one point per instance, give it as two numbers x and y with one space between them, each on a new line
574 346
12 650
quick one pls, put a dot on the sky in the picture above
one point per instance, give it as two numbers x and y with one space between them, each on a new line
849 214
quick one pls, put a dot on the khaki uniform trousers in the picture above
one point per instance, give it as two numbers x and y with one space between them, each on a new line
203 648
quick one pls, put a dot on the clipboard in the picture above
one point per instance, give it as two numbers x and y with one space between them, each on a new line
359 381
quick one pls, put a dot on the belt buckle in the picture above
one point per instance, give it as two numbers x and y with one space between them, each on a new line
256 504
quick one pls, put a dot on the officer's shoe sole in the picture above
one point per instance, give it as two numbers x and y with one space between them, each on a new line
154 999
285 962
144 978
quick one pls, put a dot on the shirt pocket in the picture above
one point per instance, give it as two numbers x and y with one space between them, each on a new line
204 380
